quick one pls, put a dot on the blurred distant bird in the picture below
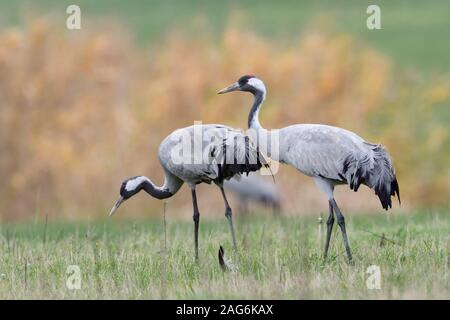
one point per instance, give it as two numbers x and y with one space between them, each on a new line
330 155
253 188
219 153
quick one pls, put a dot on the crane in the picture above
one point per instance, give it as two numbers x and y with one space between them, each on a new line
330 155
198 154
255 188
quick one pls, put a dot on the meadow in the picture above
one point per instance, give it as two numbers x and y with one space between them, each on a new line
82 110
277 258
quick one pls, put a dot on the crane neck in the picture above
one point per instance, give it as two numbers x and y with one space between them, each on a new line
156 191
267 141
253 116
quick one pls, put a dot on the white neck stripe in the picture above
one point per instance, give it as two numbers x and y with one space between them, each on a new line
132 184
257 84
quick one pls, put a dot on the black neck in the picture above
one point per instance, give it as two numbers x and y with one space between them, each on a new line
259 97
156 192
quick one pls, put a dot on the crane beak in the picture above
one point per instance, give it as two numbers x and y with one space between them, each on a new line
117 205
235 86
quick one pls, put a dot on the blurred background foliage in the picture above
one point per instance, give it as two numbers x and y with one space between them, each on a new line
82 110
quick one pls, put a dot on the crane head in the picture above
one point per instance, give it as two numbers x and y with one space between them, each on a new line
248 83
129 188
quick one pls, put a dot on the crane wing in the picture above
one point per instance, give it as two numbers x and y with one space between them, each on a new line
236 154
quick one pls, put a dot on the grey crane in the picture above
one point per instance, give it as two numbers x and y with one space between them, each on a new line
198 154
330 155
256 189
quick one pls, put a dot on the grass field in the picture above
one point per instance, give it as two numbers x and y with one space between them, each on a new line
277 258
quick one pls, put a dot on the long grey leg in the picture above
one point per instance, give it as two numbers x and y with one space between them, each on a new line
228 214
196 218
330 223
341 223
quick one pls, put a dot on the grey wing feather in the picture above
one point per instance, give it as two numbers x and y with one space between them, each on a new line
340 156
316 150
215 152
237 153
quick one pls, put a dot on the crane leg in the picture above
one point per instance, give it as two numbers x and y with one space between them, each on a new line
341 223
276 209
196 218
228 214
330 223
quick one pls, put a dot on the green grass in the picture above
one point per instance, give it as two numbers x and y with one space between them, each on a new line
414 32
278 258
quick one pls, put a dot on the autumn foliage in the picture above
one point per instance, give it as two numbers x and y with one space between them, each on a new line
81 111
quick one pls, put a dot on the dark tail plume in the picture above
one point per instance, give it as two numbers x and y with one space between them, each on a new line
376 171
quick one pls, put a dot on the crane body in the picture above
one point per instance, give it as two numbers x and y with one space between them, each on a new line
194 155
